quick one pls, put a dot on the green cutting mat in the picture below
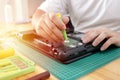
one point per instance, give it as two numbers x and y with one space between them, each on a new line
69 71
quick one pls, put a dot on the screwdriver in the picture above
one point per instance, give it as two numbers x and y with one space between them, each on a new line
63 31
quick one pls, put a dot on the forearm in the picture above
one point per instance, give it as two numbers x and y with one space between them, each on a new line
36 16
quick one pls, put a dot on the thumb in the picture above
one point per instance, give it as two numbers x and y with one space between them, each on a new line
65 19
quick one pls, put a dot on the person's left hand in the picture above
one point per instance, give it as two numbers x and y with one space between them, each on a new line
99 34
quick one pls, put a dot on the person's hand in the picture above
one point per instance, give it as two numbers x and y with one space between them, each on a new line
50 25
99 34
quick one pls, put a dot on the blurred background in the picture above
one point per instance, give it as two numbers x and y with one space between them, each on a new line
18 11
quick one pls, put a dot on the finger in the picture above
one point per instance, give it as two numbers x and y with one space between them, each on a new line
100 38
39 29
54 29
65 19
41 33
107 43
90 36
57 21
50 33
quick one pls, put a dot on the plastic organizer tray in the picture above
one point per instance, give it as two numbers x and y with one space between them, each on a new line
14 66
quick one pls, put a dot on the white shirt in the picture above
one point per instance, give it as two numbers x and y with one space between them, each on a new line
86 14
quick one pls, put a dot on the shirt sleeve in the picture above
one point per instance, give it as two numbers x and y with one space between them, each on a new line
56 6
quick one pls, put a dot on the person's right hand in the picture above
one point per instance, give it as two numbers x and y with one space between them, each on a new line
50 25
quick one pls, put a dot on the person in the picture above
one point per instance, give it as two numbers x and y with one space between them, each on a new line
98 19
